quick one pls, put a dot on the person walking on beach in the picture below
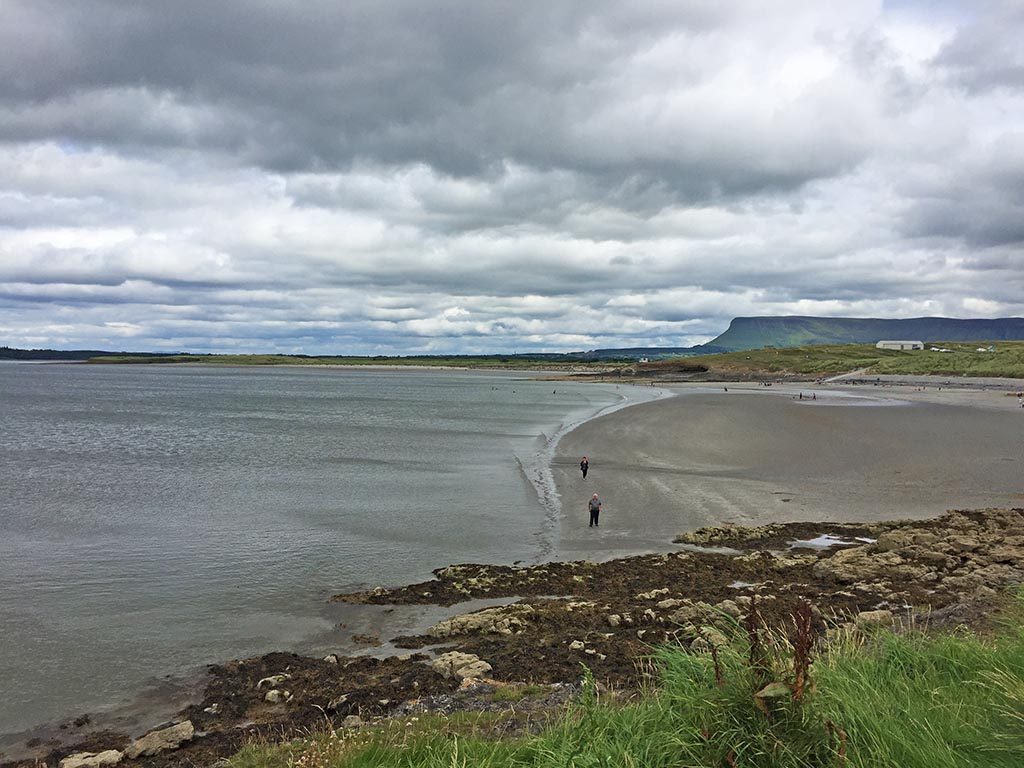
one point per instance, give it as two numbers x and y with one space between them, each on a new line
595 510
584 466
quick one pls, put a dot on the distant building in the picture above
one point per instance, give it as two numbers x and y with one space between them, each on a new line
900 345
643 360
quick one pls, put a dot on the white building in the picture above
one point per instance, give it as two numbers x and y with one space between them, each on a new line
900 345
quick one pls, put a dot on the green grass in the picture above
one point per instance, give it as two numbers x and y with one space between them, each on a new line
832 359
902 701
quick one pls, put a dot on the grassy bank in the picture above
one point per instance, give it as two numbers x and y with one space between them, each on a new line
827 360
907 700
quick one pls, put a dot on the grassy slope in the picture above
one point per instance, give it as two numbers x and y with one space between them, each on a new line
828 359
907 701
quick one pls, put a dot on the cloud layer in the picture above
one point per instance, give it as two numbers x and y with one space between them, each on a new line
394 177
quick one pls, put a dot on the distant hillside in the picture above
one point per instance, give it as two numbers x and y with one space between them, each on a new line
10 353
756 332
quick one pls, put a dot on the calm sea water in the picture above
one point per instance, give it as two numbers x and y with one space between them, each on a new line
153 519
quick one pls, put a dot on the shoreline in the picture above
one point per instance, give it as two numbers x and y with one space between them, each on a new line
155 700
939 572
597 554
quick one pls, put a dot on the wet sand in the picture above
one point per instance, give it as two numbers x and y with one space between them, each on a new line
754 455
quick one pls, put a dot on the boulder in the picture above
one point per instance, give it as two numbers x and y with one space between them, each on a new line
460 665
91 759
874 619
161 740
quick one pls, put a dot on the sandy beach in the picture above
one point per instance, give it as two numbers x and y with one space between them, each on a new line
755 455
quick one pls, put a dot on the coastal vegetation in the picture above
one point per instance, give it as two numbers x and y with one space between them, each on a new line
517 362
961 359
765 698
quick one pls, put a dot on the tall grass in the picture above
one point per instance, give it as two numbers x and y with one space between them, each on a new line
906 701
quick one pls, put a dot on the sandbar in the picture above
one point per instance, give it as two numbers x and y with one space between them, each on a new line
753 455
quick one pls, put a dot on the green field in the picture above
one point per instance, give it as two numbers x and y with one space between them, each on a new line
828 360
912 700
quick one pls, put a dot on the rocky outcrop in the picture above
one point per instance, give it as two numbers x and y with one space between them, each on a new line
506 620
92 759
966 554
460 665
161 740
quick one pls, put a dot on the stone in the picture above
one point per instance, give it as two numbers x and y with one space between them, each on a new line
669 603
277 696
161 740
614 620
273 680
331 658
213 709
91 759
504 620
652 594
460 665
729 608
352 721
576 645
881 618
774 690
336 703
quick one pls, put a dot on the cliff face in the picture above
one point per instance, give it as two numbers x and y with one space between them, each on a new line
757 332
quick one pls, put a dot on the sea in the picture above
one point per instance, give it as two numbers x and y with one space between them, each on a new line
154 519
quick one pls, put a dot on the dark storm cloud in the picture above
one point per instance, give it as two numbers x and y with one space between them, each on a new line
461 87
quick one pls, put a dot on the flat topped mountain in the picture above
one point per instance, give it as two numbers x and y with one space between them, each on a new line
794 331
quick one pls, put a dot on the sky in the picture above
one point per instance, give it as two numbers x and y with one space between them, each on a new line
376 177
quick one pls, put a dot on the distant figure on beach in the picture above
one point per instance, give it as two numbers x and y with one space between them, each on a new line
584 466
595 511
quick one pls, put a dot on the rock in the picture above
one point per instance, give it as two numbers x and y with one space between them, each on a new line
336 703
91 759
649 615
708 638
273 680
670 603
874 619
213 709
614 620
161 740
963 544
331 658
576 645
729 608
460 665
652 594
352 721
505 620
774 690
277 696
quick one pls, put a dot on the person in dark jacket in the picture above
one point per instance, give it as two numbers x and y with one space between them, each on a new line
595 510
584 466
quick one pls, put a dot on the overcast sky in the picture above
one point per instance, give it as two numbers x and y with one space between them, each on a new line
396 177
